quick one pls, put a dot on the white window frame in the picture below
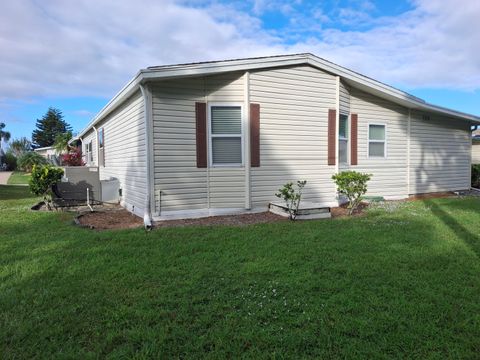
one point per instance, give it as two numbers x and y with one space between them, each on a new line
346 138
89 152
210 135
377 141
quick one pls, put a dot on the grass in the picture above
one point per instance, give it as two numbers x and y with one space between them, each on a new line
19 178
401 282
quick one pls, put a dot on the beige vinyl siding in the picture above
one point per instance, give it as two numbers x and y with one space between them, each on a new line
294 105
125 151
476 153
89 136
344 98
390 173
440 154
183 186
227 185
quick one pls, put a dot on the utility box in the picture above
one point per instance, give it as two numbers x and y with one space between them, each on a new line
110 190
76 180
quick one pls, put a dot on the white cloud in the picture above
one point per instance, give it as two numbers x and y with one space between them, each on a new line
84 47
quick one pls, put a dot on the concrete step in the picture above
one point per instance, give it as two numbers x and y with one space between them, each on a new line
307 210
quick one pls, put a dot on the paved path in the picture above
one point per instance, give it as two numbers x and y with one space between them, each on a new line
4 175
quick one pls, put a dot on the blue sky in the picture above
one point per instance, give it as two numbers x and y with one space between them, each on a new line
75 55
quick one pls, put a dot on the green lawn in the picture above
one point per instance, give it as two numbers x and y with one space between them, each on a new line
401 282
19 178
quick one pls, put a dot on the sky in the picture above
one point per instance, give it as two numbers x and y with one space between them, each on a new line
76 54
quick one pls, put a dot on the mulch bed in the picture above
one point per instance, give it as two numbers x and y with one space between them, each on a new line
234 220
342 210
106 220
430 196
120 218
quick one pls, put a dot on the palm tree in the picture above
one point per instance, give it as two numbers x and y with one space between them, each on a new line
4 135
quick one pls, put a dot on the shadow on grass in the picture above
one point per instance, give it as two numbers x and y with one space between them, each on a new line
15 192
470 238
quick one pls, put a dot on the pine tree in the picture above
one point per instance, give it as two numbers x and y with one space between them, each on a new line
48 127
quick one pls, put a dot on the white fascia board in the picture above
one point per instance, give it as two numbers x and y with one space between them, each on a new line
44 148
218 68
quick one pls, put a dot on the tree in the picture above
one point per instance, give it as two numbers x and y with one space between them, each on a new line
61 142
20 146
48 127
27 161
4 135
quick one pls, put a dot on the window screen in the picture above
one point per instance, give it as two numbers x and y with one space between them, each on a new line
226 135
376 140
343 140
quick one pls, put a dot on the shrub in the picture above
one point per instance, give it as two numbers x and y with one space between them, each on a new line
476 176
29 159
292 197
10 160
353 185
42 180
73 158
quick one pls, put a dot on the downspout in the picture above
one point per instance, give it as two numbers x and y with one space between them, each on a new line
337 123
246 124
147 216
96 145
409 129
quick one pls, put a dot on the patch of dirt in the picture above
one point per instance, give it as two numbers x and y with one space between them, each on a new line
430 196
342 210
235 220
112 219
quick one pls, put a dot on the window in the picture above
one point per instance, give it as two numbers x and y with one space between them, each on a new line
89 152
376 141
101 149
100 138
343 140
226 135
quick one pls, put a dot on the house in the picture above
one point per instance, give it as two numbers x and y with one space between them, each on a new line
221 137
48 152
476 147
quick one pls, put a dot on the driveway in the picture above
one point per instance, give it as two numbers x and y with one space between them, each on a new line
4 175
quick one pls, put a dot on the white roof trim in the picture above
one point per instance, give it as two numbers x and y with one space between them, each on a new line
44 148
216 67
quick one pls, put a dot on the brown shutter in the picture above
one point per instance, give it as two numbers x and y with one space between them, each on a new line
332 132
201 130
254 135
354 139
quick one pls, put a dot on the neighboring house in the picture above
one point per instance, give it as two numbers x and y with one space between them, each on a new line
48 152
222 137
476 147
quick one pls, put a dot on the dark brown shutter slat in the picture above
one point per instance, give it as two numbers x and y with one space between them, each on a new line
354 139
332 131
201 134
254 135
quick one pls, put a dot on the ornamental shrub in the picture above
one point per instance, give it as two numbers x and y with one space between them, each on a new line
42 180
30 159
476 176
10 160
353 185
73 158
292 197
